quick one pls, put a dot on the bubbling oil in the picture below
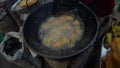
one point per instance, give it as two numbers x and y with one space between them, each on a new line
61 32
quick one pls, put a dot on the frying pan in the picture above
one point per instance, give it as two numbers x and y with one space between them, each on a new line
38 16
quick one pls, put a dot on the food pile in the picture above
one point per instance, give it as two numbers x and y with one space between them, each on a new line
112 41
60 32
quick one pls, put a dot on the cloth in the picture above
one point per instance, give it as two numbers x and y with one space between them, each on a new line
101 7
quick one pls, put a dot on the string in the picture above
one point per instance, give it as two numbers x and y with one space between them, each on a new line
27 5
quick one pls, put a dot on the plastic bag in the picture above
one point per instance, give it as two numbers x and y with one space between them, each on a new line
18 54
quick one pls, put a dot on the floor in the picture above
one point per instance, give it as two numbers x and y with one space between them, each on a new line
5 64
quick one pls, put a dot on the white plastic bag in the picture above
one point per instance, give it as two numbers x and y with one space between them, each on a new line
18 53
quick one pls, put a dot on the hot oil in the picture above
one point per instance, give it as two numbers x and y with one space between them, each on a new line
61 32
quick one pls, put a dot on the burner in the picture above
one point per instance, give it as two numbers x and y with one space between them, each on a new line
82 60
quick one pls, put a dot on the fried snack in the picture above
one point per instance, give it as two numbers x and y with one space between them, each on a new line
60 32
116 30
23 4
108 38
112 41
107 60
115 47
112 59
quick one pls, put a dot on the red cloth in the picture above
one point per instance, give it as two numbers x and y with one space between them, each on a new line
101 7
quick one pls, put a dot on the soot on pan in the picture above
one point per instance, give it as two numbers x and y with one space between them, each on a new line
11 46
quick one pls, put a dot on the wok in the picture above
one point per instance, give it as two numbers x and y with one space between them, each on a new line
38 16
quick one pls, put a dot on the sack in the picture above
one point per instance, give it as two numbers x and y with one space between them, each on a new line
17 52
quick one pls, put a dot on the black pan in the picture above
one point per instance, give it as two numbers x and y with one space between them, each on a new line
36 18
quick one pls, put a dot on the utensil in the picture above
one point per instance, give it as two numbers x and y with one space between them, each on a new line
38 16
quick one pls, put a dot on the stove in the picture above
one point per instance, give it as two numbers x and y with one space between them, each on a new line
90 58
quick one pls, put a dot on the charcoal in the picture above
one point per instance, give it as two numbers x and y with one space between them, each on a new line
11 46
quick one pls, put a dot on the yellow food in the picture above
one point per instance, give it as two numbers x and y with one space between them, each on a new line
67 26
69 18
115 47
112 59
59 32
22 4
108 39
116 30
57 44
77 29
76 22
51 19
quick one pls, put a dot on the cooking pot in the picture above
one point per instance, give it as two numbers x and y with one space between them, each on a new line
42 13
